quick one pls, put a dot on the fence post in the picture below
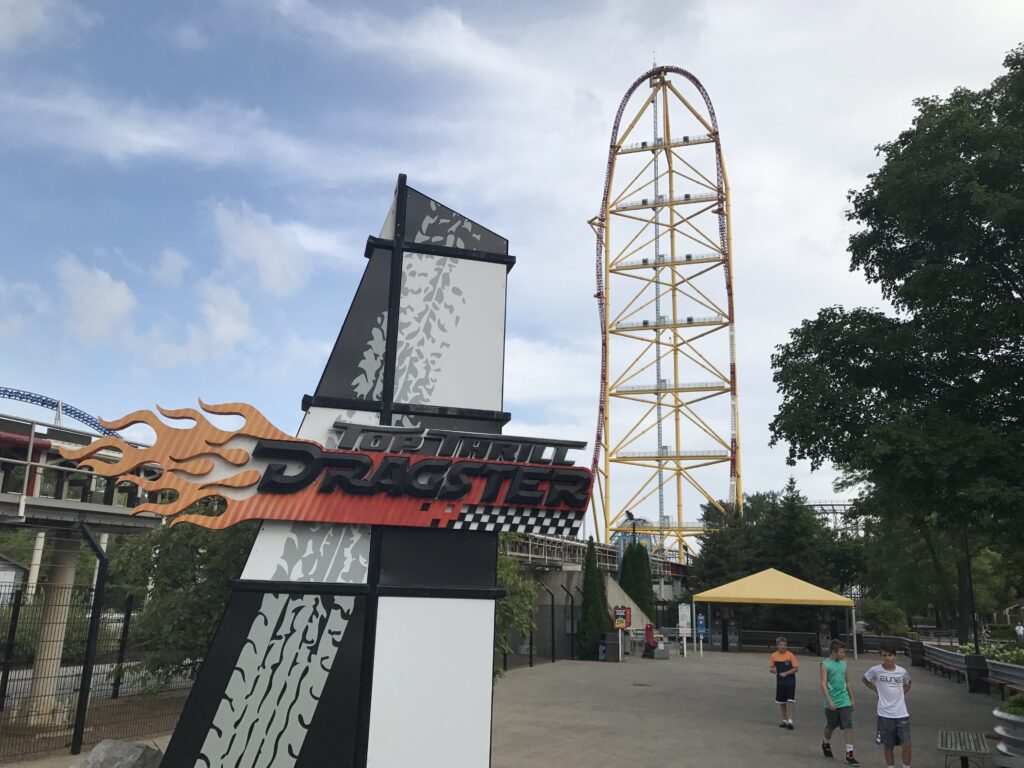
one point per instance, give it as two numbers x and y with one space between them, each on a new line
12 630
122 645
552 619
572 623
85 685
531 646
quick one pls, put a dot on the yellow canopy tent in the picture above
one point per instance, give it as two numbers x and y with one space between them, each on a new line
772 587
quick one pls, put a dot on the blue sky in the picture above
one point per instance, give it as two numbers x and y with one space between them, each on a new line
186 188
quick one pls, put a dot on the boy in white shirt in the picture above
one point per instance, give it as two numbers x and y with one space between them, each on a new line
891 683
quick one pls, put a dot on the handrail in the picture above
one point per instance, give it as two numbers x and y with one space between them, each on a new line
62 486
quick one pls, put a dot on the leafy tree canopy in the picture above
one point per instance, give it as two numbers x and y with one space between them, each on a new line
924 409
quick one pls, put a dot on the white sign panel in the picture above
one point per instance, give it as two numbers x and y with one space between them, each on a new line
685 619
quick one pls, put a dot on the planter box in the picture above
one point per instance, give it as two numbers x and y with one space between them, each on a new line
1011 729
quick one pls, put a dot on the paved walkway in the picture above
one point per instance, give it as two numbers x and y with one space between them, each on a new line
715 712
703 713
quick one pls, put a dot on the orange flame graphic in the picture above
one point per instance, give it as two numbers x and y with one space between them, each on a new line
182 454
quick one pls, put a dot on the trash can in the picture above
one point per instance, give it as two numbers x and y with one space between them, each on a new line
977 671
610 644
917 653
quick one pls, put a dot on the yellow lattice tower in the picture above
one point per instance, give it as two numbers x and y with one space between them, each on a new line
668 432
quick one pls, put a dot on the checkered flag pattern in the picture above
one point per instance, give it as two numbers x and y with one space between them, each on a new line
478 517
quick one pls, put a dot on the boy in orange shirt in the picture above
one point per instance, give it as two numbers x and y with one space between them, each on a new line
783 665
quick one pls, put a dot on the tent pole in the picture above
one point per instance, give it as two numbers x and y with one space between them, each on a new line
853 612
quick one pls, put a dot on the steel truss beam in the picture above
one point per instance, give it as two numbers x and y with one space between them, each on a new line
664 291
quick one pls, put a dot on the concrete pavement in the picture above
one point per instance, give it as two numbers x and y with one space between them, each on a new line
714 712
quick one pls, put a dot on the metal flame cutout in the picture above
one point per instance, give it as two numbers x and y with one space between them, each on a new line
187 458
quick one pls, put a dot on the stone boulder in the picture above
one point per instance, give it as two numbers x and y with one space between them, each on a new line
122 754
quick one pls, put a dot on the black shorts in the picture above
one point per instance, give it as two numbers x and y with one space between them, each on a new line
894 730
785 689
839 718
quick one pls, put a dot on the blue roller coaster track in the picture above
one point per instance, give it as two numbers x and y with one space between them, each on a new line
78 414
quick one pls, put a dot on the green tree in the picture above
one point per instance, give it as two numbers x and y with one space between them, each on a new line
189 568
635 577
882 616
513 614
594 616
779 530
924 407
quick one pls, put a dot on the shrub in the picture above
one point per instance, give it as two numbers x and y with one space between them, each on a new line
882 616
1014 705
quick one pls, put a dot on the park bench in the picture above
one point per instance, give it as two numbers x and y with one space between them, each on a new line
1006 676
946 662
969 747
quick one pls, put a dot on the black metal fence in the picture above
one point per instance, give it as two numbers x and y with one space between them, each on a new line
51 697
553 637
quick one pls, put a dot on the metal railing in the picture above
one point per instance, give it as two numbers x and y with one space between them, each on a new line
939 659
555 552
701 138
663 200
696 386
666 260
1004 674
873 642
665 454
667 322
39 472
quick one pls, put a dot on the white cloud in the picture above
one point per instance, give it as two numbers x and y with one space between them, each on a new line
226 317
22 21
226 323
211 134
190 38
18 303
437 37
543 371
171 268
95 304
279 253
11 324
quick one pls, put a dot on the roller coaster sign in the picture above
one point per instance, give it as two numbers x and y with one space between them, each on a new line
373 475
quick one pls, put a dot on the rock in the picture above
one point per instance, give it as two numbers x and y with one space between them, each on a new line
122 754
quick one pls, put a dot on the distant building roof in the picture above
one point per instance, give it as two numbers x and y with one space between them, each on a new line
5 560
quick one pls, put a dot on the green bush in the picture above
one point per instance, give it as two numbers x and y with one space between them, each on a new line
882 616
1014 705
1007 654
26 636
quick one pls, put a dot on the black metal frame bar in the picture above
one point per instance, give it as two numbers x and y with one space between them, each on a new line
572 623
552 619
5 663
99 593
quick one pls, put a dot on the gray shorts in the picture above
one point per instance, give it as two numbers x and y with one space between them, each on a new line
842 717
894 730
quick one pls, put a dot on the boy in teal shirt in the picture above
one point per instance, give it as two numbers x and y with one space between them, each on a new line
835 685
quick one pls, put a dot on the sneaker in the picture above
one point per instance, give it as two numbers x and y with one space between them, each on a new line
782 724
850 759
826 749
789 726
